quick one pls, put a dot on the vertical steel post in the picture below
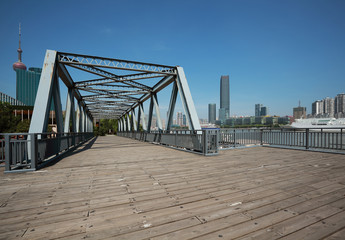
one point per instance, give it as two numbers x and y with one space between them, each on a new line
150 115
8 153
134 126
57 103
172 106
128 123
124 119
187 101
158 113
83 120
40 116
34 146
138 117
234 138
123 127
78 119
70 112
205 141
307 138
341 138
142 117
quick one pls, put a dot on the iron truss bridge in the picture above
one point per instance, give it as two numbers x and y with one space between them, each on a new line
107 88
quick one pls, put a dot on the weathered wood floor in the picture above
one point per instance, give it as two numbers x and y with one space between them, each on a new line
125 189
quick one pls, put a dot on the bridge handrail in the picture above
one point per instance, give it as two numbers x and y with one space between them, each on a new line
30 151
199 141
332 138
209 141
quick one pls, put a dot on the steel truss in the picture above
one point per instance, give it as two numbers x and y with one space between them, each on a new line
118 90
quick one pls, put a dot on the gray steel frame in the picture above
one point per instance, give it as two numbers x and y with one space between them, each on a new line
110 94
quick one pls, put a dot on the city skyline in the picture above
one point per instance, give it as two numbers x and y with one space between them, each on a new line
274 52
329 107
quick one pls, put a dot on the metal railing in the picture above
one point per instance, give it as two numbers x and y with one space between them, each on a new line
209 141
28 152
200 141
307 138
232 138
2 152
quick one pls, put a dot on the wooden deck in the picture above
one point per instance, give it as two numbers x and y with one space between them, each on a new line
120 188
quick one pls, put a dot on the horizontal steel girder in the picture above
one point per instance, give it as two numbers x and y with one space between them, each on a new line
104 81
79 59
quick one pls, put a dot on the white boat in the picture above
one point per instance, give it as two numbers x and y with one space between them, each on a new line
319 123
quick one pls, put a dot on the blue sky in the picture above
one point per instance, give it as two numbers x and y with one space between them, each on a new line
276 52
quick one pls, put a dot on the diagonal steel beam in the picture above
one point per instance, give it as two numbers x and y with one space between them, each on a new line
110 75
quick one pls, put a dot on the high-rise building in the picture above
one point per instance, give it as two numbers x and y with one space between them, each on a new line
26 81
299 112
258 110
263 111
179 119
328 107
317 108
184 122
212 113
224 111
27 85
339 105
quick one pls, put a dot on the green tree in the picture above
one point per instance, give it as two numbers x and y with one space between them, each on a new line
8 122
23 126
106 126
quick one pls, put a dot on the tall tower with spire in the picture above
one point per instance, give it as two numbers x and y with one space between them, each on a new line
19 64
27 81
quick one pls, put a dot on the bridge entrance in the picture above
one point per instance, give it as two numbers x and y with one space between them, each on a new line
105 88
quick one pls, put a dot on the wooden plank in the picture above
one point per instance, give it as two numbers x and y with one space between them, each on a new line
339 235
297 223
321 229
176 194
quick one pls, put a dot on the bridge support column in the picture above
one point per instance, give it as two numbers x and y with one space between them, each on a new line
70 112
124 123
45 93
87 123
172 106
154 105
133 123
141 117
78 118
82 114
121 125
187 101
128 123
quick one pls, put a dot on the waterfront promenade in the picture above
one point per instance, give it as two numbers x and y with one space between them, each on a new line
119 188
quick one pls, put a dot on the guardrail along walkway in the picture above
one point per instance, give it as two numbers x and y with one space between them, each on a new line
125 189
